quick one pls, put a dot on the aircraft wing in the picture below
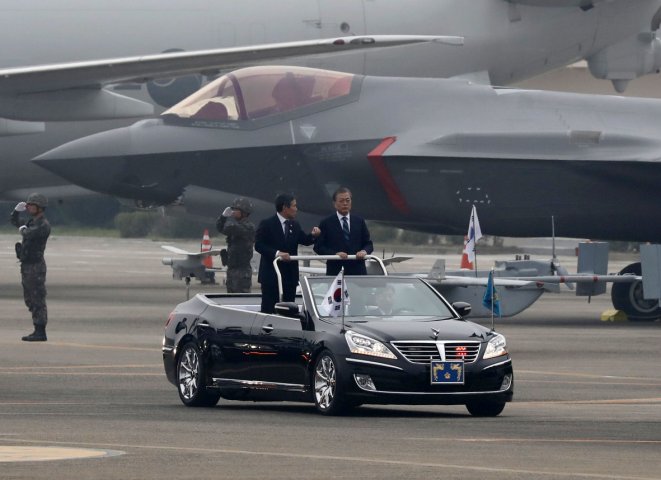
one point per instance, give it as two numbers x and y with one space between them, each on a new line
585 4
77 87
180 251
459 281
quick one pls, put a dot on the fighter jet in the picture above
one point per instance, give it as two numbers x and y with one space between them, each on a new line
417 153
506 41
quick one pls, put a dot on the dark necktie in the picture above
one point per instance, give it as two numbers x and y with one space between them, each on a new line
287 229
345 229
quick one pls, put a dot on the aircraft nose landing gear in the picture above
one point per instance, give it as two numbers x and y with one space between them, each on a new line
628 297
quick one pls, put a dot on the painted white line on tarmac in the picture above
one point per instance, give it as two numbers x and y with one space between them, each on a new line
363 460
12 453
536 440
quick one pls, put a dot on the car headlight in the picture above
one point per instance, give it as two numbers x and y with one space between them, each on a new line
496 347
363 345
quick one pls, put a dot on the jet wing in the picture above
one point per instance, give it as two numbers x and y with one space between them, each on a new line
180 251
585 4
459 281
97 73
74 91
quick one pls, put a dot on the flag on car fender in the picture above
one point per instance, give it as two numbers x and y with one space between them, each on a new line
491 298
333 301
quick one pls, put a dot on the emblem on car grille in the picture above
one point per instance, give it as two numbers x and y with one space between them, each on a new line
436 332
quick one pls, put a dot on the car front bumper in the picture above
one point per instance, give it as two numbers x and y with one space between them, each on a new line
411 383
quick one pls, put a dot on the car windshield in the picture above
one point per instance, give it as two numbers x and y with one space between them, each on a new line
379 297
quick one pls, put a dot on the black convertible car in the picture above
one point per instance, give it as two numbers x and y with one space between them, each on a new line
398 342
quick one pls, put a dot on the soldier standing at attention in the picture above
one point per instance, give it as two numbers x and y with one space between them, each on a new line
30 252
240 233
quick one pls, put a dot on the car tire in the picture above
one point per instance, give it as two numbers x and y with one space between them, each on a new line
191 379
485 408
326 385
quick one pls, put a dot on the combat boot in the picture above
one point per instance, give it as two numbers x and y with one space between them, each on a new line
39 334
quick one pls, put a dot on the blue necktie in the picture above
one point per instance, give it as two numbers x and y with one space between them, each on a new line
345 229
287 229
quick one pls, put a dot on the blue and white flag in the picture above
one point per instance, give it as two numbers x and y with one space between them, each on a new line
474 234
336 296
491 299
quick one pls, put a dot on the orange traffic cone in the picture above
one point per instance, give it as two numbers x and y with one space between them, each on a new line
205 247
465 264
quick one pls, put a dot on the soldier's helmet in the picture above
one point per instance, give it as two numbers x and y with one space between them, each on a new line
242 204
37 199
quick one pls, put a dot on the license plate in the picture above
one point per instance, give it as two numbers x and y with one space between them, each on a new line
447 372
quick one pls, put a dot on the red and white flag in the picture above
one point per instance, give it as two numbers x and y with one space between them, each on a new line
474 234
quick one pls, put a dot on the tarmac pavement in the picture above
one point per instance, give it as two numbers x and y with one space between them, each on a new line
93 401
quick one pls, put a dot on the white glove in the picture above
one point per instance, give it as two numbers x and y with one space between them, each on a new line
22 228
227 212
20 207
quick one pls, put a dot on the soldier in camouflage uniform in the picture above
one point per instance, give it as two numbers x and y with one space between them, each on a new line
240 233
30 252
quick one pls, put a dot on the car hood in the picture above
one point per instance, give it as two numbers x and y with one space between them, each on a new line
419 329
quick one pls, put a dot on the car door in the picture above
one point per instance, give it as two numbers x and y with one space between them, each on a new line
226 333
278 354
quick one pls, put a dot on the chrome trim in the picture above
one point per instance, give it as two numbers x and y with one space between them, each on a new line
376 364
440 347
509 360
289 387
168 349
385 392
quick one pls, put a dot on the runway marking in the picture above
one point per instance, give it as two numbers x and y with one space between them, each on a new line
105 347
13 453
614 401
70 370
86 374
583 375
568 382
52 367
536 440
336 458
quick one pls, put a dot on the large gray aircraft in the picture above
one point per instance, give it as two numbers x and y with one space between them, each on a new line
417 152
505 41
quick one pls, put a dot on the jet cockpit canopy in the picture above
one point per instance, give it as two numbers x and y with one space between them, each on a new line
258 92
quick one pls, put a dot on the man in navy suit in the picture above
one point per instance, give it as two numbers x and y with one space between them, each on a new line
280 235
344 234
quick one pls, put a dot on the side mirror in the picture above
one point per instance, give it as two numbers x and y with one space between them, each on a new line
287 309
462 308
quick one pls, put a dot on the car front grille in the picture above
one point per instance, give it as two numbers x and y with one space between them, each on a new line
426 351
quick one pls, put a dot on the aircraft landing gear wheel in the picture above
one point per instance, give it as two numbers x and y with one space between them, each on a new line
628 297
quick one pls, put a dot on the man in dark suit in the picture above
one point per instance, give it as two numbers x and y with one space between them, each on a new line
280 235
344 234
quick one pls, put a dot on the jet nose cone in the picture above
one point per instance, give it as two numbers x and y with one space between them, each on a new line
91 162
122 162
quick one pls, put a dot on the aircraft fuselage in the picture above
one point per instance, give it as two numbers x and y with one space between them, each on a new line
503 41
591 162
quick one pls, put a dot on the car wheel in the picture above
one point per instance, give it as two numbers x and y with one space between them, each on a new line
485 408
191 379
327 391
